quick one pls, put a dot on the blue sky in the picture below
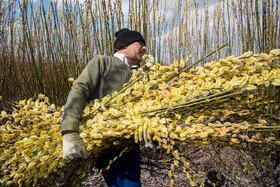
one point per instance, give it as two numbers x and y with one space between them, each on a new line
125 5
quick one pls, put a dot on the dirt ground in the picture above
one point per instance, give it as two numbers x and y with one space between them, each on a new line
226 169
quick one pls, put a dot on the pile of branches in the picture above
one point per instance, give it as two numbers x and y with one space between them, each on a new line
230 102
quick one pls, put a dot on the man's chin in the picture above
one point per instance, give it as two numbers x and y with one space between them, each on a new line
138 58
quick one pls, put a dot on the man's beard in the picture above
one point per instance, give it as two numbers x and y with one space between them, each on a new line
134 58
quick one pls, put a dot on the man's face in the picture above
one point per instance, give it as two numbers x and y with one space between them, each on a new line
135 51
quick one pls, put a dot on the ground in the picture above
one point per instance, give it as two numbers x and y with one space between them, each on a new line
227 166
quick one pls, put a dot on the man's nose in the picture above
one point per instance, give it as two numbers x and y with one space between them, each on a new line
144 48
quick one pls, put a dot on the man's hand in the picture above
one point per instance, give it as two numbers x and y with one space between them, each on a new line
73 146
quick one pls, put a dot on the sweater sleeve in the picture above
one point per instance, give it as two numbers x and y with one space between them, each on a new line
79 95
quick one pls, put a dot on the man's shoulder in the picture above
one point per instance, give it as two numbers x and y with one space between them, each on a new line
108 61
105 58
102 57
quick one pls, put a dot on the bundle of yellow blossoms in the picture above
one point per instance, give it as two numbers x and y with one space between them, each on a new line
234 100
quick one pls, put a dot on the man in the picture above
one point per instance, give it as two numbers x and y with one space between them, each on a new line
102 76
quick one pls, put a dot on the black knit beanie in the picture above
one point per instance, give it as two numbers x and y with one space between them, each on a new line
125 37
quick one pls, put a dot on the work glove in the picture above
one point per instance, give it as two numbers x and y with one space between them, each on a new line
73 146
144 135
